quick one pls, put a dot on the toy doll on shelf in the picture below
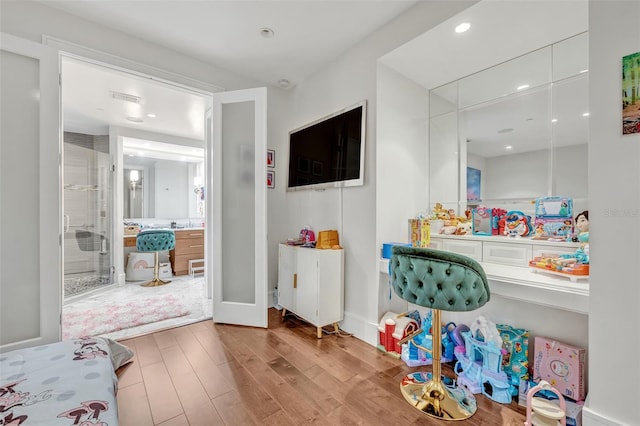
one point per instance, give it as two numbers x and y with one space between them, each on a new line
582 225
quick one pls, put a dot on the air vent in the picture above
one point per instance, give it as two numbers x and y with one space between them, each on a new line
125 97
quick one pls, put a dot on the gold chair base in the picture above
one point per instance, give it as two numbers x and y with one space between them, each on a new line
155 282
437 399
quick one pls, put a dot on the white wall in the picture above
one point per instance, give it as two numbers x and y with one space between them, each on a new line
352 211
614 316
401 164
172 189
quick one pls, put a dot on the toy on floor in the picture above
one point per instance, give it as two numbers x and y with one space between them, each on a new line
543 412
479 362
395 327
416 348
515 362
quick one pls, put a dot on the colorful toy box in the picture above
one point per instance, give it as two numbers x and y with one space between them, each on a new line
515 361
562 365
419 232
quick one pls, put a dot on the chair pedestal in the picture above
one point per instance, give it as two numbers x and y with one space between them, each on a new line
156 281
431 395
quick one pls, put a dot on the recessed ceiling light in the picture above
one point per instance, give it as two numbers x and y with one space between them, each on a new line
135 119
266 32
554 120
508 147
524 86
463 27
151 115
586 114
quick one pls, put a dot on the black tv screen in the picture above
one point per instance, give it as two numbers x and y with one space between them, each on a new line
329 152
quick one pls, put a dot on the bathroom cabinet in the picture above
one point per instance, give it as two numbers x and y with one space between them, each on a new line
189 246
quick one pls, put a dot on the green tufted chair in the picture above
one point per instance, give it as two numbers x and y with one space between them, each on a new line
155 240
441 281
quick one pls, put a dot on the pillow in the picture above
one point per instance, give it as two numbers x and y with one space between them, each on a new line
120 354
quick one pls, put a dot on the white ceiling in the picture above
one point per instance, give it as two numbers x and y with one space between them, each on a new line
308 35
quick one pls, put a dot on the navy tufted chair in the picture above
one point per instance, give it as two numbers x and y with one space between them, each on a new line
441 281
155 240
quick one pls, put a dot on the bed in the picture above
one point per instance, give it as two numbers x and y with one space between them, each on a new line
72 382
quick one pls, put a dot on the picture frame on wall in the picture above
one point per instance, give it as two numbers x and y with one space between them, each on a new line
271 179
271 158
630 97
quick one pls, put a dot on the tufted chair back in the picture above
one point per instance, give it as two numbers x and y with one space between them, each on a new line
438 279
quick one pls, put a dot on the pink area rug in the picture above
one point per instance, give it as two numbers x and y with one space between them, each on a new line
114 316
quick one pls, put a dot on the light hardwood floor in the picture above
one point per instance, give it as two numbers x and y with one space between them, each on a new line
214 374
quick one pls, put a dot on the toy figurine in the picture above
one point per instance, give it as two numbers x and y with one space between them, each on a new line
582 225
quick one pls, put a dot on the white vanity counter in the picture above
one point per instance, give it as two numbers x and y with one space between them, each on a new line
506 263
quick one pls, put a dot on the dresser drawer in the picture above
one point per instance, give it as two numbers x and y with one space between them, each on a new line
181 235
507 254
190 246
472 249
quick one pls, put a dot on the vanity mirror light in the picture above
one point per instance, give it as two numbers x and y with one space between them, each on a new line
521 126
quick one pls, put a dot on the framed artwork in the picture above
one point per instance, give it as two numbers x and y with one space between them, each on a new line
303 165
271 158
317 168
473 184
271 179
630 94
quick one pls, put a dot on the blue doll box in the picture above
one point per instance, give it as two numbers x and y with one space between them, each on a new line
554 207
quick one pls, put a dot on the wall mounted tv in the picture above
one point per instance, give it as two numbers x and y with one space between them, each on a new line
329 153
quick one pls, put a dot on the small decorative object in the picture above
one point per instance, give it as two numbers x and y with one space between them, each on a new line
473 184
481 220
541 411
630 96
271 158
271 179
517 224
420 232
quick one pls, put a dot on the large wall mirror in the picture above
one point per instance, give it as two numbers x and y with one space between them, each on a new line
162 180
513 132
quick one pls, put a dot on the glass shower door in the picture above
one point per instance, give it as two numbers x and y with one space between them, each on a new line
88 218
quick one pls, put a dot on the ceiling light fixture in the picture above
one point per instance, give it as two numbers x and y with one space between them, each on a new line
151 115
266 32
508 147
554 120
586 114
463 27
524 86
284 83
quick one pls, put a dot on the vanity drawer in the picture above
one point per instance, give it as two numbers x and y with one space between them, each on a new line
190 246
507 254
472 249
540 250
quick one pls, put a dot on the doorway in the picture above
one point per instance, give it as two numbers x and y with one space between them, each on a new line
115 120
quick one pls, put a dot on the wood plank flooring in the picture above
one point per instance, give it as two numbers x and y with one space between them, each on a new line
215 374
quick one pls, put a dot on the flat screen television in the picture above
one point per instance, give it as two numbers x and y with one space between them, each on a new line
329 152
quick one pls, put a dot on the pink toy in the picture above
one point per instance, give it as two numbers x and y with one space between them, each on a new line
542 412
562 365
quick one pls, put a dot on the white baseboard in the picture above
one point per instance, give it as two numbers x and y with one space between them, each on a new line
591 418
360 328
